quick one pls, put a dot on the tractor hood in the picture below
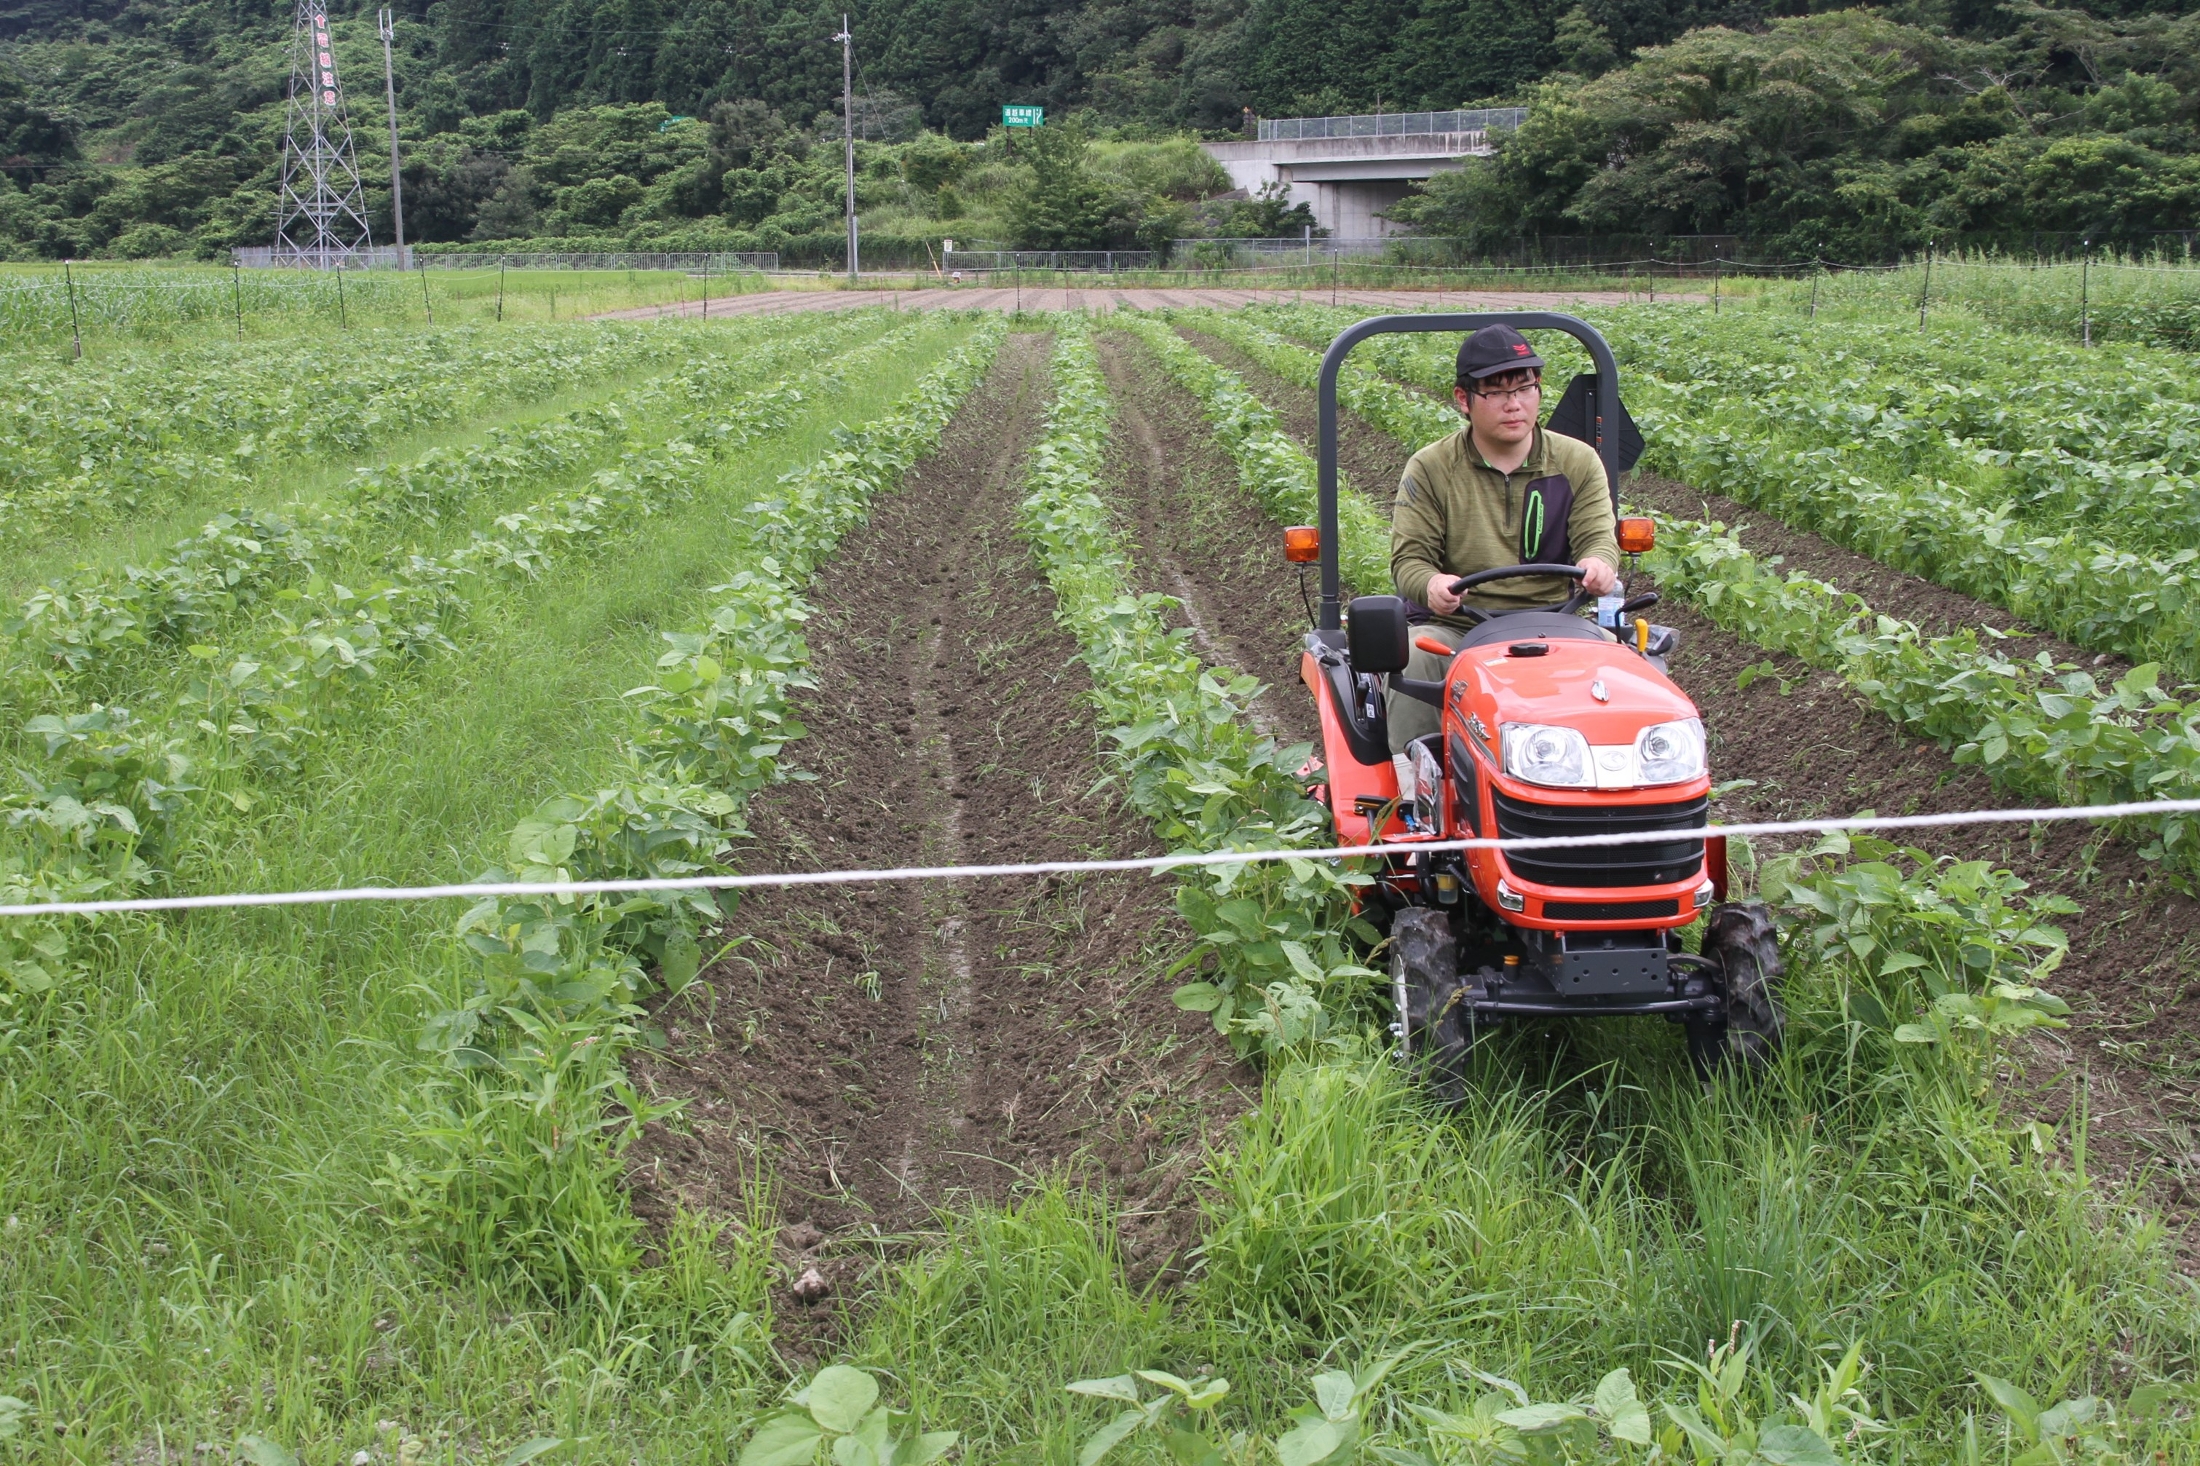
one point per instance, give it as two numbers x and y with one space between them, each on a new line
1561 686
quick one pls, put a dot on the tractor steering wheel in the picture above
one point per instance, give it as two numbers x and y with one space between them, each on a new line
1466 583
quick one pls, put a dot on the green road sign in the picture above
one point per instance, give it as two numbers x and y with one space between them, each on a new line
1023 116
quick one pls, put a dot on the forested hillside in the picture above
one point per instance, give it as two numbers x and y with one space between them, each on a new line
136 128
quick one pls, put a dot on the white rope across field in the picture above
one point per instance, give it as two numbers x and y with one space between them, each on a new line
731 881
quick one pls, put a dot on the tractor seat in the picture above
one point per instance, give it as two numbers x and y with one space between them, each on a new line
1534 626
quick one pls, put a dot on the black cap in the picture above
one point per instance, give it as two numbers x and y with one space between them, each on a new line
1495 349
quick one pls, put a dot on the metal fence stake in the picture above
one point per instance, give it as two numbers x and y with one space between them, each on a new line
76 327
2085 296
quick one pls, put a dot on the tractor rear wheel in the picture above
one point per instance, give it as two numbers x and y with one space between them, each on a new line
1424 987
1746 1035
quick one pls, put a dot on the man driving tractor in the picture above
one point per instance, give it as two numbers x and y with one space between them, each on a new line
1500 491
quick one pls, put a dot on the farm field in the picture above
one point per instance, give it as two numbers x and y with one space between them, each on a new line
611 1178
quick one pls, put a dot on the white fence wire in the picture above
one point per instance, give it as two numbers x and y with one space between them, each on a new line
738 881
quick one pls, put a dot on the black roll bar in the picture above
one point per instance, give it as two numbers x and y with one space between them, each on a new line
1607 401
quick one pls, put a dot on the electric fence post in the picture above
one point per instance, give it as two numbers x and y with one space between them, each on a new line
425 303
500 291
1818 269
1925 291
236 295
1714 287
2085 296
343 320
706 284
76 329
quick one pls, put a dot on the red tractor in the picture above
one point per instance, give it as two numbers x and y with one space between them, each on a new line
1553 725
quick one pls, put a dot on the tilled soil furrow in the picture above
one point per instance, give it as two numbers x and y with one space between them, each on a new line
1367 459
1811 746
1200 537
880 1051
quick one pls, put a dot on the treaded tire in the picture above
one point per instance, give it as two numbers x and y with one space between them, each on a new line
1424 981
1742 940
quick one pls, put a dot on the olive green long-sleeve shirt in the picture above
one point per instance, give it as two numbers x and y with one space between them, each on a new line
1456 515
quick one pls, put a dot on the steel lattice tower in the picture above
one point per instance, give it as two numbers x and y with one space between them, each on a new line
320 214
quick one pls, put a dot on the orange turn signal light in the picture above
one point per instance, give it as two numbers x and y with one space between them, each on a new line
1638 536
1433 647
1302 544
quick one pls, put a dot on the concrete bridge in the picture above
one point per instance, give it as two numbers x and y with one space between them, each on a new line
1351 169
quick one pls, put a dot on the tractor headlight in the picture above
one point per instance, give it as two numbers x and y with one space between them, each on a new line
1543 754
1668 753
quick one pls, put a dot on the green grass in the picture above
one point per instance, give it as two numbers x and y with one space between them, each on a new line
1588 1208
193 1142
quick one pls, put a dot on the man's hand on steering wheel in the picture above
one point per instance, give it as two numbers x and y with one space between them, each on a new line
1596 578
1441 599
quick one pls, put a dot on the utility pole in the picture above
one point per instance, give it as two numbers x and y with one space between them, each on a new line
847 41
389 89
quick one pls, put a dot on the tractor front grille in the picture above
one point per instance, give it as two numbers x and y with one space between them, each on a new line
1652 863
1609 910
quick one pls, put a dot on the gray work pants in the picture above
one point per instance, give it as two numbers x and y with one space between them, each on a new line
1409 717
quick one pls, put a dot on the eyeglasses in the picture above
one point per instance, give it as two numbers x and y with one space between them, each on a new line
1509 394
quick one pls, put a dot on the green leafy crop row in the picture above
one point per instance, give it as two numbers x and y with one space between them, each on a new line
521 1181
68 631
152 434
1980 442
2104 407
2039 729
98 815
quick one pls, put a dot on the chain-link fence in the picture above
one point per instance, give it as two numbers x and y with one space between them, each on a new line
385 257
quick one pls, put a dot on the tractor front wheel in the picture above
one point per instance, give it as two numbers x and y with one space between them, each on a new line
1746 1034
1430 1027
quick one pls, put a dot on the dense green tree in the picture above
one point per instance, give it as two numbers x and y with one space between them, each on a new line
1063 205
1847 135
